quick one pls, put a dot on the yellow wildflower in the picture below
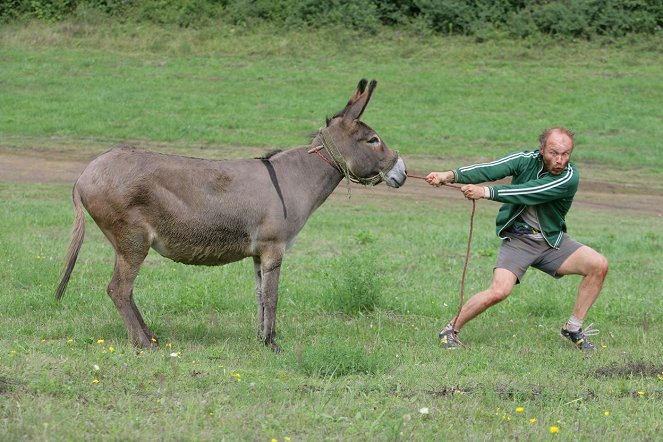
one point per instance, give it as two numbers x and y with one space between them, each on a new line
606 413
532 420
111 349
100 341
95 381
554 430
520 410
641 393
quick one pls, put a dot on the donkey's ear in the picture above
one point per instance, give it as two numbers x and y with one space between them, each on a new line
361 87
358 102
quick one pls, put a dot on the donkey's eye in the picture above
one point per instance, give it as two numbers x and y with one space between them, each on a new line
374 140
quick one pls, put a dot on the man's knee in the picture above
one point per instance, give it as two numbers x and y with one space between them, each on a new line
503 282
600 265
597 264
499 293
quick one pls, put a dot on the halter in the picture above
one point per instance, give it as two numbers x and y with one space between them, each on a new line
342 166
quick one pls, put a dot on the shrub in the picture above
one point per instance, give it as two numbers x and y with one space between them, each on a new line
355 284
480 18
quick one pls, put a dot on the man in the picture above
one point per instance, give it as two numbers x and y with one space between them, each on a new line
533 229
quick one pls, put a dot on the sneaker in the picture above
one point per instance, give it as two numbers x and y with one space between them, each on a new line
449 338
579 338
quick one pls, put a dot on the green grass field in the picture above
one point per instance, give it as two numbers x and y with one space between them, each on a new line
371 279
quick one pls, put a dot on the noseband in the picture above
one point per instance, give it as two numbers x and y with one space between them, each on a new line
342 165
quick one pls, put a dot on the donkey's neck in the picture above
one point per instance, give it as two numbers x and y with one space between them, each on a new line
316 177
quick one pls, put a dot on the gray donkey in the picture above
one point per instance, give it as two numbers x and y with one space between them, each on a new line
207 212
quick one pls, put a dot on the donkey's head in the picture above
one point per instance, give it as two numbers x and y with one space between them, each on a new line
356 149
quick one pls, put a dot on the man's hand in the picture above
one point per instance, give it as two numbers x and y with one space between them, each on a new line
439 178
474 192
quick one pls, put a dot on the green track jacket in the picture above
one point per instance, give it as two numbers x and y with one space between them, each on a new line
531 185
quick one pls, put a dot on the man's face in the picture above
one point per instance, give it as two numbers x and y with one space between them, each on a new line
557 152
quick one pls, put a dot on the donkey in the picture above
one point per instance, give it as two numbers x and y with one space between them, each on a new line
208 212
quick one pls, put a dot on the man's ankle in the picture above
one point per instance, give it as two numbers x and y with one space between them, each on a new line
574 324
450 326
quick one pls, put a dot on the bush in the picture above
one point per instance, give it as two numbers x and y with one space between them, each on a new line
355 285
357 14
183 13
563 18
479 18
50 10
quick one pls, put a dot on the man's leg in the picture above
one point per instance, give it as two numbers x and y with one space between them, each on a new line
500 288
593 267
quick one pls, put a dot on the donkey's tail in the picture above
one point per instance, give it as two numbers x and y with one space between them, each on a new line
77 235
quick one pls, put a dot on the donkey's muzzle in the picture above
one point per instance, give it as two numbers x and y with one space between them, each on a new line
395 177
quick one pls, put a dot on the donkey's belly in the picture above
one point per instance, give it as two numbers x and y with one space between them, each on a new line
211 253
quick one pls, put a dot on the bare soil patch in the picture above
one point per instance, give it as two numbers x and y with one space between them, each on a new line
46 166
633 369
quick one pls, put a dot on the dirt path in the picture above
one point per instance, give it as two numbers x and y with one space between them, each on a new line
62 167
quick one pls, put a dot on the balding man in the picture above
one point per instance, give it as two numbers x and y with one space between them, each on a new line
531 223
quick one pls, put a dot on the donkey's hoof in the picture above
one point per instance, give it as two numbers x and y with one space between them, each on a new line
276 348
149 343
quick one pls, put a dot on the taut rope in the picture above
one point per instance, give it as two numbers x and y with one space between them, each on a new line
467 253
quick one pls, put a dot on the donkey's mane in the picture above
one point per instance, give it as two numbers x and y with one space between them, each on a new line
269 154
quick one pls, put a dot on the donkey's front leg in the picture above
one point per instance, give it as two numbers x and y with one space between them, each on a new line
270 271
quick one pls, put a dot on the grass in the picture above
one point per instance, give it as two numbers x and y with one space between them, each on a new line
372 278
343 374
441 97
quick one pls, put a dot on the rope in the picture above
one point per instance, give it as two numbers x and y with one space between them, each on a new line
467 253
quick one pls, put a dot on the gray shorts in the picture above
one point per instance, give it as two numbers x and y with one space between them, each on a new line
518 252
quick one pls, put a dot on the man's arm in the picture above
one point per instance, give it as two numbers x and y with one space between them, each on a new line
471 191
542 190
483 172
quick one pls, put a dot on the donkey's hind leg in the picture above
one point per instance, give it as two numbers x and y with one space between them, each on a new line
261 307
120 290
